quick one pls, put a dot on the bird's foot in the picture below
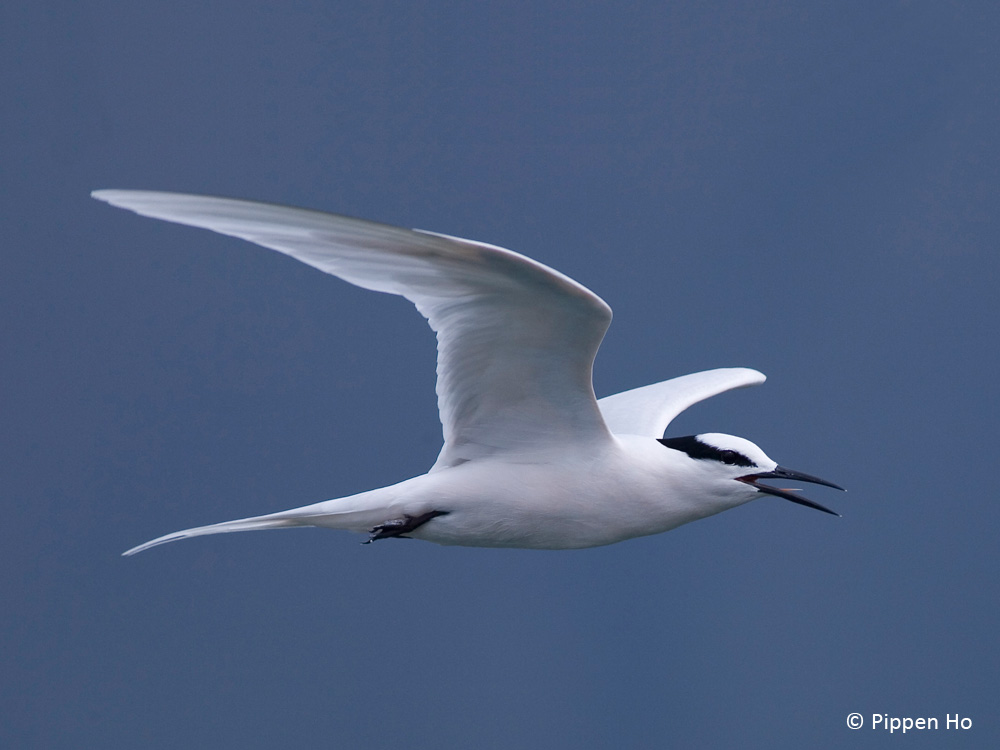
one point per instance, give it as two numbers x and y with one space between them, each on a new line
399 527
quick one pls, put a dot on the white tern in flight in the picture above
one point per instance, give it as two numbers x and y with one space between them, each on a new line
530 458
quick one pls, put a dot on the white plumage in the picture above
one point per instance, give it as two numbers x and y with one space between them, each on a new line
530 458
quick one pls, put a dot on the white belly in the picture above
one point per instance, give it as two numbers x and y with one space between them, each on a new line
542 506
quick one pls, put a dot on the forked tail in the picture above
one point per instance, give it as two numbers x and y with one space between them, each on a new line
358 512
243 524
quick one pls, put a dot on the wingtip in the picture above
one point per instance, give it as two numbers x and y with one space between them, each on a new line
110 195
756 375
749 375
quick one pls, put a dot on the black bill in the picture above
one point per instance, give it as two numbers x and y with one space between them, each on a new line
781 472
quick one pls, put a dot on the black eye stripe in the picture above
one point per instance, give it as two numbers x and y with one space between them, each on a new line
697 449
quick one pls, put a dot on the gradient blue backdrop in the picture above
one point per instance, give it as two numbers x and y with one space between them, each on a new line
810 189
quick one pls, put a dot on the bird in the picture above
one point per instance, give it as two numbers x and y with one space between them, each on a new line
530 458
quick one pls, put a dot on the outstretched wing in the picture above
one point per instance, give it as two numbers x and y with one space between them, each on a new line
516 339
648 410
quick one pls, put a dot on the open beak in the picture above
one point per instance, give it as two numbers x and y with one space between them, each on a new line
781 472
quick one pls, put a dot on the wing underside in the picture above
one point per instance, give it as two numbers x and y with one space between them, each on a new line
648 410
516 339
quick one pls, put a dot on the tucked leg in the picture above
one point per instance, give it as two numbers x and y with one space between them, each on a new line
399 527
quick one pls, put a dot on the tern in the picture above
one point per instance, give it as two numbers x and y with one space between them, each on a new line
531 458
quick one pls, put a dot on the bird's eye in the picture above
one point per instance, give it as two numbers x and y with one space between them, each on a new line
731 457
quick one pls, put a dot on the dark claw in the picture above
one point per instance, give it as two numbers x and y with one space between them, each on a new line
399 527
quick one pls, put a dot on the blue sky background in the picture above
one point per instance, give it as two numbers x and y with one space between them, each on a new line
810 189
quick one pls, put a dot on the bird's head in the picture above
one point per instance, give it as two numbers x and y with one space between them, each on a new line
728 458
